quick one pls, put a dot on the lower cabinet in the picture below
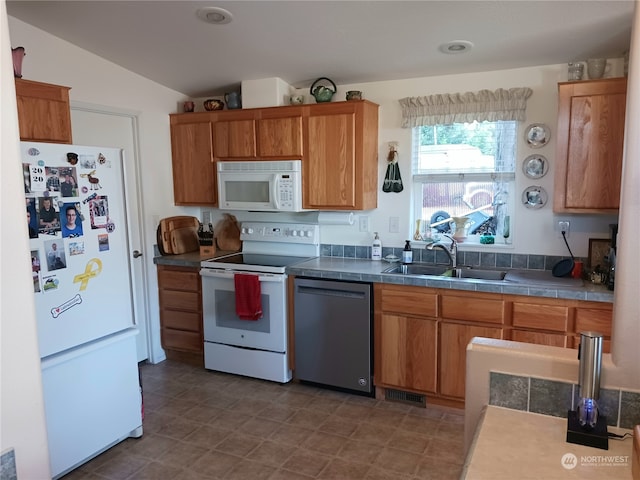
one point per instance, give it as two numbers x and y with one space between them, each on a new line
409 352
421 333
453 347
181 332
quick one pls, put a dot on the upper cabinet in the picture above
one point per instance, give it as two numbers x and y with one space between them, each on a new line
263 134
44 114
340 169
337 143
194 175
590 144
235 135
280 133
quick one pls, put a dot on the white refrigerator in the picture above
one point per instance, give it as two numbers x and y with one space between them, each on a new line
76 213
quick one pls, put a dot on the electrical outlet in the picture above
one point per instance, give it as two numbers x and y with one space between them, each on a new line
563 226
364 223
394 224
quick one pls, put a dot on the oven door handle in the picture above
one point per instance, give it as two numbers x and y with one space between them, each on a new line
229 274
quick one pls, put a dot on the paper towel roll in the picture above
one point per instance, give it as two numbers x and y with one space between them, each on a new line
335 218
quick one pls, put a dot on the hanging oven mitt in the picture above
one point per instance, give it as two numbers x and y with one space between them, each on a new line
397 180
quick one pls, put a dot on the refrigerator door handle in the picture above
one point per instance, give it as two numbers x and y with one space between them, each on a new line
137 253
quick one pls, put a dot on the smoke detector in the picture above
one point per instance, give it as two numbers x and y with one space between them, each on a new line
456 46
214 15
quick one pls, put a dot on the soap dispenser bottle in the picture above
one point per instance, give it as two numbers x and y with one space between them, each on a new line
407 253
376 248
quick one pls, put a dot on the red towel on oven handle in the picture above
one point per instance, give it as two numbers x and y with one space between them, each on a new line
248 304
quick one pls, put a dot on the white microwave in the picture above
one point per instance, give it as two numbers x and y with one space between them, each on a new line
267 186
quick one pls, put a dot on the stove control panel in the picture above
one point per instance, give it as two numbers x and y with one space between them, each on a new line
306 233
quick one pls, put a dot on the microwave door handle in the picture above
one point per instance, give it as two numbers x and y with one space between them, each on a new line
276 189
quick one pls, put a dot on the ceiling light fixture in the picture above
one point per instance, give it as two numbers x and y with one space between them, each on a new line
214 15
457 46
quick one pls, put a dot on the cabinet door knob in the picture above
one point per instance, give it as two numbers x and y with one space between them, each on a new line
137 253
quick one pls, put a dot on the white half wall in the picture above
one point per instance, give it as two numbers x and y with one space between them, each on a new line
22 405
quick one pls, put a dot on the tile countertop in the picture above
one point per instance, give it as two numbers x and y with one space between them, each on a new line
512 444
339 268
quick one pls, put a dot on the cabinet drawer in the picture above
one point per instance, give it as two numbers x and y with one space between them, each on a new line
181 340
179 279
410 301
475 309
173 299
539 338
540 316
181 320
593 320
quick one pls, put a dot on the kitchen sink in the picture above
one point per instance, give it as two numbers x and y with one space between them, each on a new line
480 274
445 270
417 269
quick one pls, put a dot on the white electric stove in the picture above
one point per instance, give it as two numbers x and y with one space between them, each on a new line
254 348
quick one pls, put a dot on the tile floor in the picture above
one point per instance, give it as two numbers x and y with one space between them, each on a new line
201 425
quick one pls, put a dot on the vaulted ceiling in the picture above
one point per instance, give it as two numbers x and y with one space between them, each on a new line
347 41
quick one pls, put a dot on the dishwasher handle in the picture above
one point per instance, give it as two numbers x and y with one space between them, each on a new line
331 292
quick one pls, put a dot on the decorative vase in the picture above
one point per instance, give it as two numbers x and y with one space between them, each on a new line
17 55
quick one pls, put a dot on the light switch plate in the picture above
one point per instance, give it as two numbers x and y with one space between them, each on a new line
394 224
364 223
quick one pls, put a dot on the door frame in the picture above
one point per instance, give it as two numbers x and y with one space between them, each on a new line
139 276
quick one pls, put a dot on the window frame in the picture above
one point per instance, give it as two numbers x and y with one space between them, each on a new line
505 173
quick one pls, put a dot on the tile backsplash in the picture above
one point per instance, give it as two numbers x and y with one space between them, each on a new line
554 398
474 259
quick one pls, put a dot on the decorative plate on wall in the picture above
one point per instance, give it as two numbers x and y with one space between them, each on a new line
534 197
535 166
537 135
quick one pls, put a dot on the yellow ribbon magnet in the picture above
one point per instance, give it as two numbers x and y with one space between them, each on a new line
89 273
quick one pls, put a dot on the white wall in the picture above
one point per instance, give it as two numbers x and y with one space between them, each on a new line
532 229
96 81
22 408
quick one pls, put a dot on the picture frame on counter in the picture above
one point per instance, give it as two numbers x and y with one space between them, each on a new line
598 251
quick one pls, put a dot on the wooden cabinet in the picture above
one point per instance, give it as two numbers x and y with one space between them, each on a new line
594 317
194 175
464 316
421 334
454 339
262 134
590 142
407 351
181 331
340 169
235 135
279 133
337 143
44 114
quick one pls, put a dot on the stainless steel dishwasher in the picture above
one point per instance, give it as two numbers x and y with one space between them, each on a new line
334 334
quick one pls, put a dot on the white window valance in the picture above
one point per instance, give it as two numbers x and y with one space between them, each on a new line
481 106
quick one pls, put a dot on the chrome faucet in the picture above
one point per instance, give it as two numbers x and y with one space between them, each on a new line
451 250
